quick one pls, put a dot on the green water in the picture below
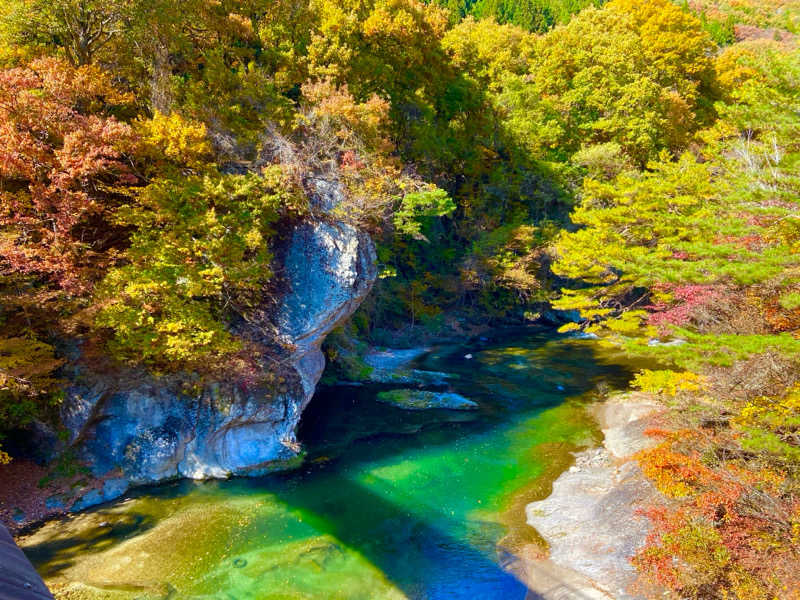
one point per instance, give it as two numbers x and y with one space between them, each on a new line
390 503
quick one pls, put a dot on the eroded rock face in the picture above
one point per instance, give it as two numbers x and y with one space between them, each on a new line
142 431
330 268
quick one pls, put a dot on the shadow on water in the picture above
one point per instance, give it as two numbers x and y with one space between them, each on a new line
380 520
426 550
59 552
403 546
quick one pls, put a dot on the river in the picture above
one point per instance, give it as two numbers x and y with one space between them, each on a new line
389 503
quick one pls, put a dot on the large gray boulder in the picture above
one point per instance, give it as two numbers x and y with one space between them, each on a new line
138 429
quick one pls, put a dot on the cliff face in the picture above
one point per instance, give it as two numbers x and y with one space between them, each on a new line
141 431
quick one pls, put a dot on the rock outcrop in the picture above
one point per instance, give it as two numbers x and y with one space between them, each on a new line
331 268
590 521
134 429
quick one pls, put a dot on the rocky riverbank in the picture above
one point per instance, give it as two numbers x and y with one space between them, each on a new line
590 520
130 428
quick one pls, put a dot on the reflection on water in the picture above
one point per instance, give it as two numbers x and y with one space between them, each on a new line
390 504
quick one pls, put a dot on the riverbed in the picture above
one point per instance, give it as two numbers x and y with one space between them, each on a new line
389 503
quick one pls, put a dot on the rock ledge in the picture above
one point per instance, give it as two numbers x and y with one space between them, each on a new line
590 520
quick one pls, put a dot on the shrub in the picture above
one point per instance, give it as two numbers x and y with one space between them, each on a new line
669 383
201 247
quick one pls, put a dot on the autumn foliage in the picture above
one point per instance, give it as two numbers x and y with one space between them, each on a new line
63 160
693 261
732 524
65 164
150 158
633 160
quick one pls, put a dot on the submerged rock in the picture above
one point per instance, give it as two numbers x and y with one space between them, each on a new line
390 365
392 358
424 400
409 377
140 429
387 366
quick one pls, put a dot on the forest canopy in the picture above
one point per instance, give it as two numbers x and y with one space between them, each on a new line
633 162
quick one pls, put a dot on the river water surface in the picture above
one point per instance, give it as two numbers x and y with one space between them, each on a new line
389 503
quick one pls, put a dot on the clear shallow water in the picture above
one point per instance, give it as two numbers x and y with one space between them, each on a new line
390 503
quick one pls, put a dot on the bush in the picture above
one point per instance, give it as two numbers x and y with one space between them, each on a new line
201 247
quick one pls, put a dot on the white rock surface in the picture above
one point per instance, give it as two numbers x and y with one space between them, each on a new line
589 521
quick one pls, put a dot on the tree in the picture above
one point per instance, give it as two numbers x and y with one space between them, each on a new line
489 52
704 249
63 164
633 72
82 28
528 14
201 248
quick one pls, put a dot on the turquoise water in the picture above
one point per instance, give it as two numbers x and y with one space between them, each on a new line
389 504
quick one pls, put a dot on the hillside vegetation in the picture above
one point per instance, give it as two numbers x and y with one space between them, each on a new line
637 161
